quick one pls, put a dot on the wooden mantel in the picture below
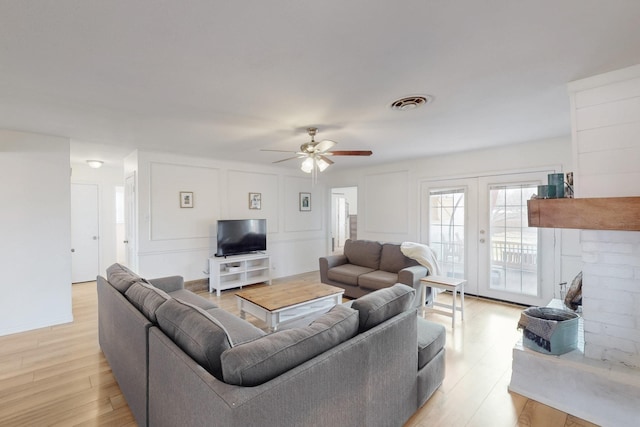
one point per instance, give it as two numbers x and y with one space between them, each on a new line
610 213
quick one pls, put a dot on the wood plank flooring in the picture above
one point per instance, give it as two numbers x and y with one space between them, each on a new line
57 376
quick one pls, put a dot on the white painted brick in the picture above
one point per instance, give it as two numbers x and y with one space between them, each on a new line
603 270
617 319
602 305
632 336
589 236
621 344
590 257
592 327
612 283
619 259
614 296
614 248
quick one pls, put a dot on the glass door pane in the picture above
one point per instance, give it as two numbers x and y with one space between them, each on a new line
447 230
514 246
516 263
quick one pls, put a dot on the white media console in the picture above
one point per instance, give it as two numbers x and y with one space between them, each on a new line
237 271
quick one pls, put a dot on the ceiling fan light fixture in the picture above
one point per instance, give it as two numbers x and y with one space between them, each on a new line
307 165
322 165
411 102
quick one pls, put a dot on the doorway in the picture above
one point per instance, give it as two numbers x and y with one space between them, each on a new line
479 231
344 217
85 248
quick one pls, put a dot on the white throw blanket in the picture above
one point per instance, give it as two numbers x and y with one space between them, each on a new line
423 254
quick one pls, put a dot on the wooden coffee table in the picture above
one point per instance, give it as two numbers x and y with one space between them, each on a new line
287 303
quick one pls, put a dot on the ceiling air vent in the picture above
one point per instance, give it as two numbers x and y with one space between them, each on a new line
410 102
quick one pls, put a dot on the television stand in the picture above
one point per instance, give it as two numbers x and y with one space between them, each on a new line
236 271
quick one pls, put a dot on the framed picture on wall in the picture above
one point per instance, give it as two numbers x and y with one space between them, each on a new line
305 201
186 199
255 200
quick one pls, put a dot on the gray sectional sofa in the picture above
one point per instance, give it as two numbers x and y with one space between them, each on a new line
367 266
180 360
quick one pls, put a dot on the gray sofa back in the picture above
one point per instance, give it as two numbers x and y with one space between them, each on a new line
123 336
365 253
375 388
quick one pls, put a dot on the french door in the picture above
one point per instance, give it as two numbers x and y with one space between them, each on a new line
478 228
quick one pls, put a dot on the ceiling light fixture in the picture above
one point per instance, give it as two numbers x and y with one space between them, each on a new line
411 102
95 164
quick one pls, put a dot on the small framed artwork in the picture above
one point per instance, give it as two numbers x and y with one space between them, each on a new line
186 199
255 200
305 201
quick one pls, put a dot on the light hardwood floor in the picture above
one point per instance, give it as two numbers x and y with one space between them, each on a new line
57 376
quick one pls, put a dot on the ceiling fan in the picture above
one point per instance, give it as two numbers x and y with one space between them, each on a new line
316 154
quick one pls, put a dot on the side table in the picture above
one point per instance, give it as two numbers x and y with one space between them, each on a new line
449 284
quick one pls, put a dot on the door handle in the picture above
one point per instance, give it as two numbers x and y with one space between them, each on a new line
73 250
125 241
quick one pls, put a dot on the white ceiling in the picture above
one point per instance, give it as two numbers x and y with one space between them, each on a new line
225 79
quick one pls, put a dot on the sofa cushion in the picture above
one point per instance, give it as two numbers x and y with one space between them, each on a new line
193 299
380 305
431 339
393 260
239 330
121 277
263 359
146 298
347 273
196 332
365 253
377 280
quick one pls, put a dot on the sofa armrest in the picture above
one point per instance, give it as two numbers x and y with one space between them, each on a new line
168 284
327 262
411 276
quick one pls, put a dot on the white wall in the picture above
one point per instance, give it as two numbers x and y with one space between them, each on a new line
35 257
107 179
173 240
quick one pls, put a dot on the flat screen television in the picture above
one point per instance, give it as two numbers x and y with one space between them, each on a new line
241 236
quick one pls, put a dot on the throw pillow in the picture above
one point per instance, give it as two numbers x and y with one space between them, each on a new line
121 277
383 304
146 298
263 359
393 260
196 332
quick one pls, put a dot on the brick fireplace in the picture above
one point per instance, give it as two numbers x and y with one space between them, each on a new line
611 296
600 382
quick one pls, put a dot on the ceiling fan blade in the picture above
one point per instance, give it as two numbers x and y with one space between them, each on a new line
351 153
289 158
325 145
278 151
326 159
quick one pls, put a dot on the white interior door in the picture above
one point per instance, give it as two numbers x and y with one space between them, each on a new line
85 248
130 221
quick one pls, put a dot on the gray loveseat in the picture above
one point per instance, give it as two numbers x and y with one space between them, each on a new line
367 266
180 360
